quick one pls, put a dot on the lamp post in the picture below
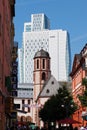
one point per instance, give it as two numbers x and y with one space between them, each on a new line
67 109
67 105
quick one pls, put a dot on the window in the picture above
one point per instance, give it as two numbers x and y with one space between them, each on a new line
28 28
47 91
37 64
43 76
52 82
43 63
17 106
22 101
48 64
28 104
22 105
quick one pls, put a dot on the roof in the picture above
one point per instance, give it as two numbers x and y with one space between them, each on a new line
77 63
42 53
50 88
78 56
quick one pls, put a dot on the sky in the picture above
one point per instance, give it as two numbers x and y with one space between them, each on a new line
69 15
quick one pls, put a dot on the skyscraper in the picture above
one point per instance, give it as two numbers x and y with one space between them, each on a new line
37 35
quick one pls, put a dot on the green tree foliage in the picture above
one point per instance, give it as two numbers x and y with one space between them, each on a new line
58 107
84 82
83 96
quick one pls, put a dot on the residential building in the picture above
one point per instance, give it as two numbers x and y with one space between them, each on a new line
24 109
79 71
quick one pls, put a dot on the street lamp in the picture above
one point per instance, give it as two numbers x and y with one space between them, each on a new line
67 106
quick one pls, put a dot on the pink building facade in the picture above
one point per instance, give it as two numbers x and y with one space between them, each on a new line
41 74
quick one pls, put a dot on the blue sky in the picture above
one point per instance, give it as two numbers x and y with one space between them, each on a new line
70 15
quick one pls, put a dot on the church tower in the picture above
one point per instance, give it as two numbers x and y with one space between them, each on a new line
41 70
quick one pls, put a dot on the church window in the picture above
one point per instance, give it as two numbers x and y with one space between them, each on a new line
52 82
37 64
48 64
43 76
43 63
47 91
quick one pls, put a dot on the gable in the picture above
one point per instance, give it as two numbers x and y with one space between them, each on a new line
76 62
50 88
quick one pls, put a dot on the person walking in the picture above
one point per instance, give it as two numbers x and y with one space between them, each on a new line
82 128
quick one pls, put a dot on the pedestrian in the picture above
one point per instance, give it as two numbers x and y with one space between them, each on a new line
76 128
82 128
8 128
12 128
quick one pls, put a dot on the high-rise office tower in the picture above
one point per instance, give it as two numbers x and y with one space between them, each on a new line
37 35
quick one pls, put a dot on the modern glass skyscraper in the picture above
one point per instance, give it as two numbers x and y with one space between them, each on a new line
37 35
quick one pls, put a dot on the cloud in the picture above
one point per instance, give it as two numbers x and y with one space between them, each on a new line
79 38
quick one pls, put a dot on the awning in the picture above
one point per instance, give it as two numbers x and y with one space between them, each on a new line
84 113
68 121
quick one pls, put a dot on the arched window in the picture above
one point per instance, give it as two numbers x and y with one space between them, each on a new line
47 91
43 63
43 76
37 64
48 64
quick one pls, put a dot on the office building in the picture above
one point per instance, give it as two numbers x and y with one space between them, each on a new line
37 35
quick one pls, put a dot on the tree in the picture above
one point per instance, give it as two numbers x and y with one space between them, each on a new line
59 106
47 113
83 96
84 82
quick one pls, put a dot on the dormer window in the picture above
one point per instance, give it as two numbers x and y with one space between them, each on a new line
47 91
52 82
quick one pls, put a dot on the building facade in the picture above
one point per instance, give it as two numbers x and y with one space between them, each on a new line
37 35
25 90
41 71
45 84
7 12
78 73
24 109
